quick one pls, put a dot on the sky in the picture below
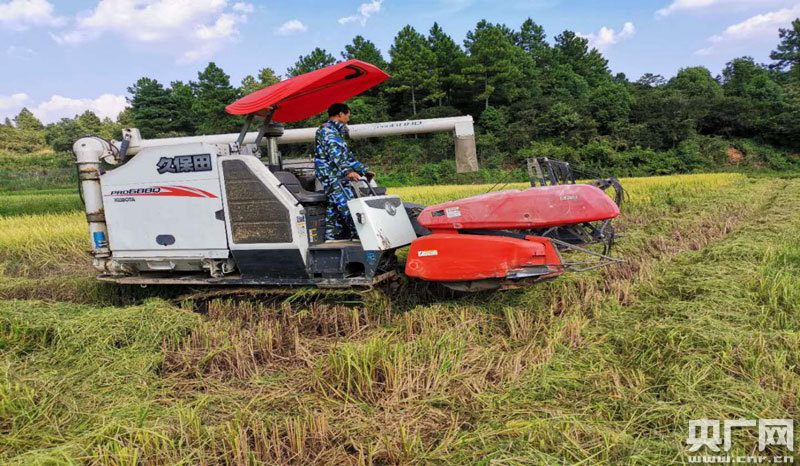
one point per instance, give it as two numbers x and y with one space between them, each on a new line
59 58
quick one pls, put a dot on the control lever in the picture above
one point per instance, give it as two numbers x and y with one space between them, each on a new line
356 185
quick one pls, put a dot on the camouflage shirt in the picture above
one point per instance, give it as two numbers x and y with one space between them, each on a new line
332 158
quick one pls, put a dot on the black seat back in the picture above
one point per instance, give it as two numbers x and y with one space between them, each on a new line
290 182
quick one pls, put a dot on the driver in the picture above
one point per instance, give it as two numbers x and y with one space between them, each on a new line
335 166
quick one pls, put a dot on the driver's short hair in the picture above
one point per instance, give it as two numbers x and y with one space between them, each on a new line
337 108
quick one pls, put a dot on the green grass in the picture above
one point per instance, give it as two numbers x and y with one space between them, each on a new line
40 169
48 203
608 367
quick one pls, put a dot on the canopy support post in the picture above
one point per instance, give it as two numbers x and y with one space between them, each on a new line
271 131
245 128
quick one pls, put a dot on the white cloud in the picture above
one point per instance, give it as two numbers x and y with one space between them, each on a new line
13 101
365 10
225 26
678 6
759 27
241 7
292 26
57 107
192 29
18 15
607 37
20 53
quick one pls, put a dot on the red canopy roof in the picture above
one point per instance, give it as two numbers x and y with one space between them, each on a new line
306 95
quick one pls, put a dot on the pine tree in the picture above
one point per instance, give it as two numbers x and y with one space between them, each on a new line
573 51
266 77
213 92
152 107
110 129
650 80
449 60
315 60
495 64
413 67
125 118
533 41
63 134
364 50
25 120
743 77
89 122
182 96
787 56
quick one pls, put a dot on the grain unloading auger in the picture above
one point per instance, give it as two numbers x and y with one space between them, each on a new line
227 210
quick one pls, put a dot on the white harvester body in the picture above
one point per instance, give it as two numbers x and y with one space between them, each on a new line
201 210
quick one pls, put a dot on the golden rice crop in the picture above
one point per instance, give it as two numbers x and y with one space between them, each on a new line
605 367
640 190
32 244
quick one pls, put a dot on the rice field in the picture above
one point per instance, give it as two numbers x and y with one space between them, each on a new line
606 367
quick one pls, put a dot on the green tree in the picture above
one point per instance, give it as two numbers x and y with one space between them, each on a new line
651 80
573 51
696 82
315 60
610 104
496 64
183 120
249 85
25 120
125 118
533 41
694 93
364 50
413 67
742 77
213 92
266 78
110 129
90 123
63 134
152 107
787 55
493 120
449 60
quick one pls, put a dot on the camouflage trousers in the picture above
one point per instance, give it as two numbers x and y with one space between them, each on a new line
337 217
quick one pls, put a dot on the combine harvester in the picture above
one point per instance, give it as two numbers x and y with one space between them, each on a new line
226 210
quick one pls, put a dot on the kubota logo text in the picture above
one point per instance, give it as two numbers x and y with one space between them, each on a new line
174 191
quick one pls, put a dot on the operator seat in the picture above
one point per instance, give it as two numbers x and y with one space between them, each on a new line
292 183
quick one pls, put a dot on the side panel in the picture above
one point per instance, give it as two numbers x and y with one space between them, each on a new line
266 226
382 222
459 257
166 200
274 263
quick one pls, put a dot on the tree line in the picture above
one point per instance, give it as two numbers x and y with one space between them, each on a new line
530 97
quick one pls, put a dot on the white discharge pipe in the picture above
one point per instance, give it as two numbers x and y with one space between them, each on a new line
88 152
462 128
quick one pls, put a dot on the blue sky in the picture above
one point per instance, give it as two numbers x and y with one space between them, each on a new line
61 57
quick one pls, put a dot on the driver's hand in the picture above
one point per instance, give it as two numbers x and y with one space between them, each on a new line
370 174
353 176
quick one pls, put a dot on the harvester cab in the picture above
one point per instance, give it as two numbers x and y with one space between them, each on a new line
228 210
